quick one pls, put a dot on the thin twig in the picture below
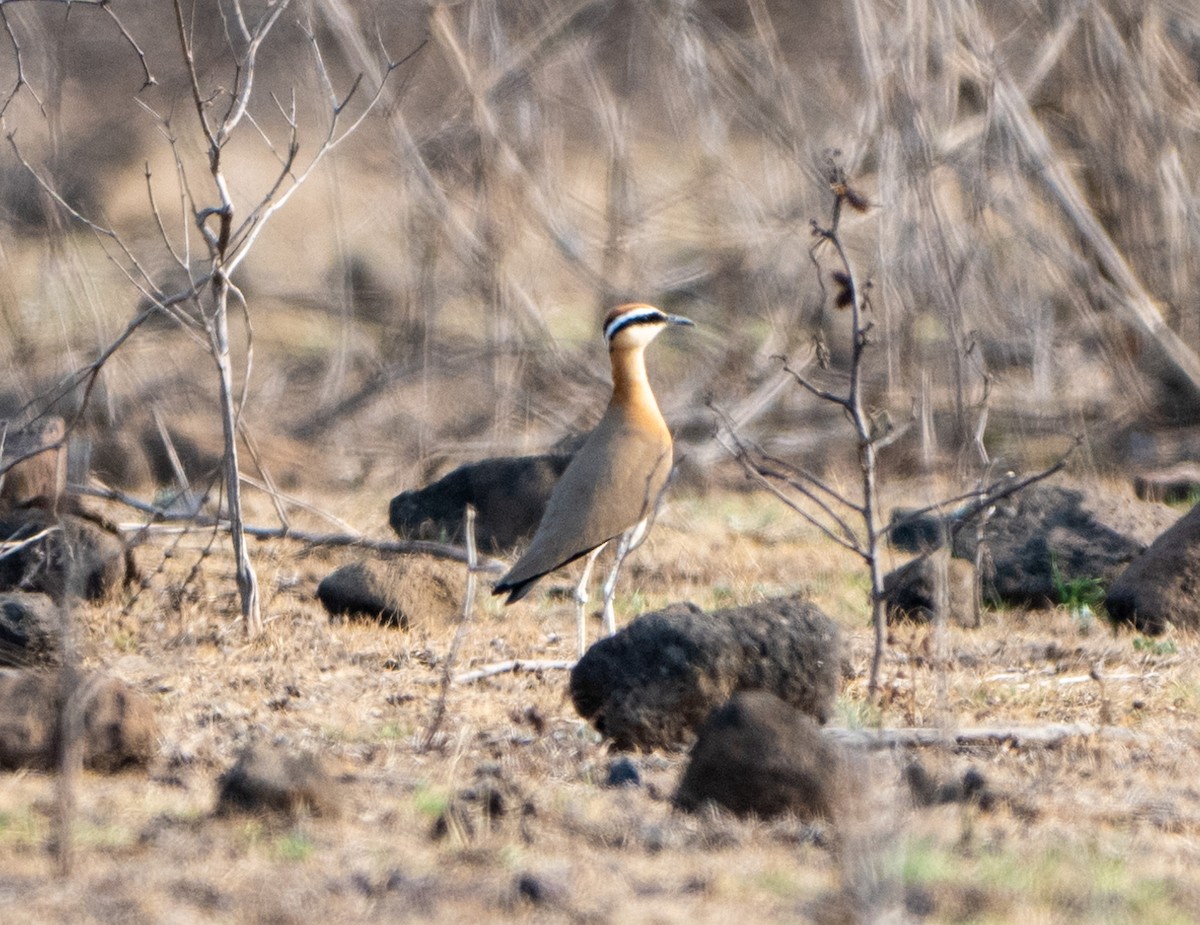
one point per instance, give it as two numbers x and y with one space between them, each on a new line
984 498
843 535
513 666
1050 735
460 632
15 546
148 79
20 80
164 518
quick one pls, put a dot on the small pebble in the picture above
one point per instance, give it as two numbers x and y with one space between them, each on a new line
623 773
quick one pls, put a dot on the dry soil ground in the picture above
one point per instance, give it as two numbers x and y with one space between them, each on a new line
1101 829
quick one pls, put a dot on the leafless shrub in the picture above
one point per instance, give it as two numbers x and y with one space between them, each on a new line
855 521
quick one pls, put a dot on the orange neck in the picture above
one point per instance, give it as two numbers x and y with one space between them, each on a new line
631 386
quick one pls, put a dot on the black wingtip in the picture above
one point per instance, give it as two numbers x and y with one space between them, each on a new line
515 591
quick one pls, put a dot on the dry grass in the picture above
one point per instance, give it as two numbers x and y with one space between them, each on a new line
1102 830
671 151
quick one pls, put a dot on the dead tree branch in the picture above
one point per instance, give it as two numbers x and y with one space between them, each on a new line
856 523
166 520
1050 735
515 666
460 632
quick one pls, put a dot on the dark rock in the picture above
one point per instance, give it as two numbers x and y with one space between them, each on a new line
119 460
509 495
926 790
117 728
28 720
1175 484
911 591
758 755
622 772
41 475
401 592
119 725
1048 535
30 629
79 554
373 299
1162 586
656 680
919 902
270 779
542 889
198 462
910 530
485 806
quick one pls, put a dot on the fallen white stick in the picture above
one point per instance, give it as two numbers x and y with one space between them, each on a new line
15 546
1046 736
514 665
1026 681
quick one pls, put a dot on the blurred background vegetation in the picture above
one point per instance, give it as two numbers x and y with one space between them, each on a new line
432 294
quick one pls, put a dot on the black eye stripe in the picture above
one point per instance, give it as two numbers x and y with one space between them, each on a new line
628 321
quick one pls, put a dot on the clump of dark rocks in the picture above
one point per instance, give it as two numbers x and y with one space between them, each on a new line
1162 586
928 789
274 780
59 547
116 725
757 755
509 495
65 554
654 682
30 629
910 592
401 592
1040 539
489 803
1173 485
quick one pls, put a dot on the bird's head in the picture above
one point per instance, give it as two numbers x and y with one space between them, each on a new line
636 324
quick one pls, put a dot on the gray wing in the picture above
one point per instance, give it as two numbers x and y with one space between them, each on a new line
612 483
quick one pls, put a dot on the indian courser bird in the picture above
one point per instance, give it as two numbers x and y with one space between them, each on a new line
614 482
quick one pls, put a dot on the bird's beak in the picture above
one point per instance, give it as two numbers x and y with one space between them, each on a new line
679 319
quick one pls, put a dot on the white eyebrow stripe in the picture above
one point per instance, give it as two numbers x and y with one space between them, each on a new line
629 317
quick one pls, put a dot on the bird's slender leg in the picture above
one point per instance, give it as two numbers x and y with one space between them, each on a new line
581 599
630 540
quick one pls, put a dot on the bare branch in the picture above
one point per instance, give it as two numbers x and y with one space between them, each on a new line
10 548
243 29
164 517
162 231
515 666
1050 735
281 498
98 229
460 631
793 475
198 100
148 79
249 361
322 70
246 71
268 484
809 386
20 80
843 535
253 224
982 499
